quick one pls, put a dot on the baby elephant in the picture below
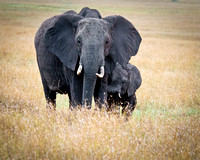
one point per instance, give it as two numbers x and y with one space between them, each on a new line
122 85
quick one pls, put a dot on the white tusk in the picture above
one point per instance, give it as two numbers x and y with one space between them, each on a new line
79 69
101 72
119 95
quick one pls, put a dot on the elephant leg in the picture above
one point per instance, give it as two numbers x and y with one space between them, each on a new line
70 101
116 106
100 93
50 98
134 102
49 95
129 105
113 104
76 91
109 102
100 98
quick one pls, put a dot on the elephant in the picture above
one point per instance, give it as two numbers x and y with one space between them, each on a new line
76 52
122 86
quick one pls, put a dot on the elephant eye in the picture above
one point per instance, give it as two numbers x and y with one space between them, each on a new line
107 41
78 41
124 81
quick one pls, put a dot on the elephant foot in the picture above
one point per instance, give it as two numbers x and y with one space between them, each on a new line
51 105
114 109
128 111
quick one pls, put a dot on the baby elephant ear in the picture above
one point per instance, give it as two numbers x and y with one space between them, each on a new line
59 39
135 80
125 39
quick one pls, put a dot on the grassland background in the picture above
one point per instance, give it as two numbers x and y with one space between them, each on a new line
166 122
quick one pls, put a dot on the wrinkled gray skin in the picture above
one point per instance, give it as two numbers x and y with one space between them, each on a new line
71 44
122 86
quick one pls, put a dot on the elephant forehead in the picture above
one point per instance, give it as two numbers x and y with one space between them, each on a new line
120 73
94 25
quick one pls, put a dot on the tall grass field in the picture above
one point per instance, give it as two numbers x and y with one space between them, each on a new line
166 121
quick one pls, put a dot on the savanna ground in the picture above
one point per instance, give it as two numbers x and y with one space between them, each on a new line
166 122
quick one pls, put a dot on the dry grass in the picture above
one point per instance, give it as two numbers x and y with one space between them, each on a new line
166 122
41 134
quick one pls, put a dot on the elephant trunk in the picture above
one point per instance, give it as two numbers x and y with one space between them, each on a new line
89 82
92 66
113 88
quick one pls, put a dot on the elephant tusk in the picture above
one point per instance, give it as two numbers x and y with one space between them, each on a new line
101 72
119 95
79 69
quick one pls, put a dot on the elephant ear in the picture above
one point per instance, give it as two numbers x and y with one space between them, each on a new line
135 79
125 39
59 39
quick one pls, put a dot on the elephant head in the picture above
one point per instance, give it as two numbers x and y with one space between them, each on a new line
92 43
87 12
124 80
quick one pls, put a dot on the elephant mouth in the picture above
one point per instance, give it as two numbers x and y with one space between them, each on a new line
100 75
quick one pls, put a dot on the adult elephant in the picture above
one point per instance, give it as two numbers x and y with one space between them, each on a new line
74 49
